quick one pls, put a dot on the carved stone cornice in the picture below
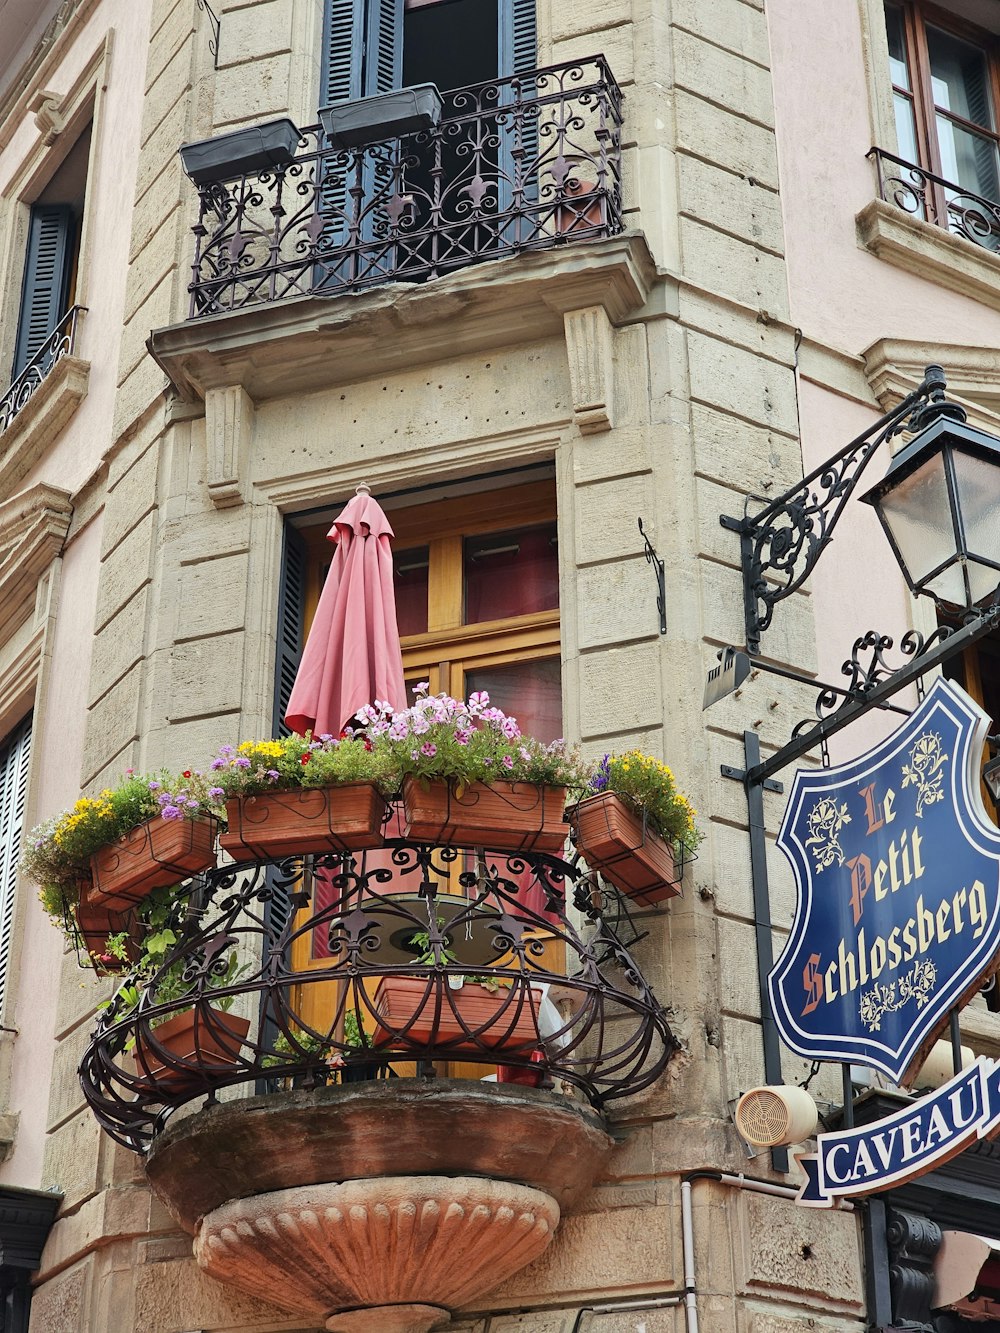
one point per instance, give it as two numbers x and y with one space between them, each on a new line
895 366
33 525
67 21
313 342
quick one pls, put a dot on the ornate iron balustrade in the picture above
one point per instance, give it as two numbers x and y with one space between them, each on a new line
517 164
570 1007
58 344
925 195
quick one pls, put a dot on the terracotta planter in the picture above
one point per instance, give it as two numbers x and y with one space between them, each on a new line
209 1040
155 855
581 214
95 924
501 816
628 854
429 1013
345 818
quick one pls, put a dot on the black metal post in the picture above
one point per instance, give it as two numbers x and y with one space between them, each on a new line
762 924
876 1248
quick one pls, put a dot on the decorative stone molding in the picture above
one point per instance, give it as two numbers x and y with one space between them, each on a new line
41 419
930 251
33 527
46 107
895 366
315 342
400 1250
229 414
589 347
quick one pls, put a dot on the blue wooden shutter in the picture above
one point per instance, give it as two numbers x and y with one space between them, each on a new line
14 756
362 49
291 624
47 271
517 43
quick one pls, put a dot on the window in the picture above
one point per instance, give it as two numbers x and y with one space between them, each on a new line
945 84
14 754
51 255
477 603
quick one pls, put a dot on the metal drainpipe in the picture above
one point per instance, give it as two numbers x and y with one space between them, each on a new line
739 1182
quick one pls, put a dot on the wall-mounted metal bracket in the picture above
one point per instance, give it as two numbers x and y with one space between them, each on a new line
739 775
213 44
659 571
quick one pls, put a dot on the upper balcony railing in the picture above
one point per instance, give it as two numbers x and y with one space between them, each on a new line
375 970
516 164
922 194
58 344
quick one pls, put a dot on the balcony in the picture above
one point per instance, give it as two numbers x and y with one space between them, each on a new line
518 164
320 998
923 195
60 343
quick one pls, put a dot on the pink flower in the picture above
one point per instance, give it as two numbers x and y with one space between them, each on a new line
478 700
429 749
463 735
507 761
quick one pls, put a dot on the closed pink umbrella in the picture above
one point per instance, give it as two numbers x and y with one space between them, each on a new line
352 654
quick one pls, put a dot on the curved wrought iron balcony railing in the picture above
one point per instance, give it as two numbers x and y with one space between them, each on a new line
58 344
922 194
266 989
516 164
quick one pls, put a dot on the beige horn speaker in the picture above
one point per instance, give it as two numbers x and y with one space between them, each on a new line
770 1117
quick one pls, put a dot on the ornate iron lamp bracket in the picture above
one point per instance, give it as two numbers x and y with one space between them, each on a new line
659 572
213 19
781 544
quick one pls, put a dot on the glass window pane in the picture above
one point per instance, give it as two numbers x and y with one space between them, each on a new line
906 130
410 568
897 47
511 573
530 691
960 77
969 160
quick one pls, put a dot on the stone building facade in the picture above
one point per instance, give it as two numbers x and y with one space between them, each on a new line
758 305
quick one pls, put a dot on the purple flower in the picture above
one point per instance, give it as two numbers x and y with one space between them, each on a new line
273 774
414 754
218 763
463 735
215 793
172 812
602 775
326 738
507 761
155 786
429 749
242 761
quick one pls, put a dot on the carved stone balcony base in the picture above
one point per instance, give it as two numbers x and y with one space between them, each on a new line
405 1248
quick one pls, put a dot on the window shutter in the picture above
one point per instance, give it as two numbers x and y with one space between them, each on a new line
47 269
384 58
362 49
518 37
14 755
517 42
291 624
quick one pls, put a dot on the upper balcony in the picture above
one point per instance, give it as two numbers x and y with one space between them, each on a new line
517 164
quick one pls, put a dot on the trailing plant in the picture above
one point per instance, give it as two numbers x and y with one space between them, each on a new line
254 767
57 853
648 788
302 1044
444 738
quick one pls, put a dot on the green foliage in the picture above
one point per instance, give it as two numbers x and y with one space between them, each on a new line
647 786
254 767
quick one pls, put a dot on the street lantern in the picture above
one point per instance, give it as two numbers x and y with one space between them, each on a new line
939 504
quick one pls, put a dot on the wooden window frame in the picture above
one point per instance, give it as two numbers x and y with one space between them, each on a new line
917 14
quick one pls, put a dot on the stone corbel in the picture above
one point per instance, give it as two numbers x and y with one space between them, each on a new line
47 110
913 1245
229 414
591 368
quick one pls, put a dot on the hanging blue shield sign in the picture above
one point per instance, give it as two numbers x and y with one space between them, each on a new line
898 876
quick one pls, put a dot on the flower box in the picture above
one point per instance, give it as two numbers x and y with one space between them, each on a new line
501 816
415 1013
577 212
382 116
208 1041
241 152
622 846
155 855
345 818
95 924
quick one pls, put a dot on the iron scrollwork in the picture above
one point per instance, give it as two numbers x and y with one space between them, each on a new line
782 543
570 1005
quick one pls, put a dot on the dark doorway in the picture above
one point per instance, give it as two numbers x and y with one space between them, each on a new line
451 43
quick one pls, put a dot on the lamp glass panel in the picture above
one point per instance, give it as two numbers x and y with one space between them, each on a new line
917 512
977 484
